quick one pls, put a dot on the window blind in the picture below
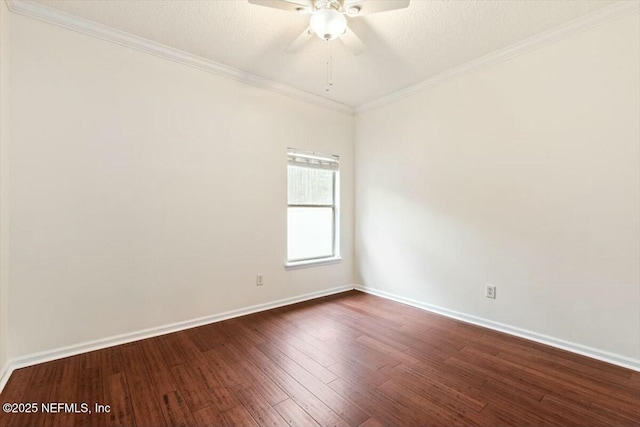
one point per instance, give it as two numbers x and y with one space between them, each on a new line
312 160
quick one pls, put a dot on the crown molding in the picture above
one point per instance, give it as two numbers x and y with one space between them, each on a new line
53 16
84 26
586 22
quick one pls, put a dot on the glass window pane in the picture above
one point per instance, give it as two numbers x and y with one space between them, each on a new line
310 186
310 233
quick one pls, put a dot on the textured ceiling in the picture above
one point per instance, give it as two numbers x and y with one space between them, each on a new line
404 46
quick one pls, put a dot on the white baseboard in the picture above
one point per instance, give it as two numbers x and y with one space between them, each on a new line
5 373
72 350
605 356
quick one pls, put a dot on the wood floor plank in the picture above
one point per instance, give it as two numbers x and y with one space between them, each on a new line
457 379
511 415
39 395
205 337
581 377
208 417
258 407
220 396
522 403
176 411
16 391
154 359
350 412
324 415
324 350
582 415
64 389
282 334
134 365
92 359
111 361
358 353
396 338
429 412
235 327
439 392
145 405
238 416
310 365
194 392
573 387
225 373
294 415
371 310
311 323
178 349
488 368
265 385
372 422
117 395
90 389
307 362
56 392
159 373
387 349
376 404
45 374
357 373
350 359
144 398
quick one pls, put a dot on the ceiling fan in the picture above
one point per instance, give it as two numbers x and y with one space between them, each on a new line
328 18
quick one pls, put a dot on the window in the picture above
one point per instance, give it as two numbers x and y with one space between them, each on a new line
312 213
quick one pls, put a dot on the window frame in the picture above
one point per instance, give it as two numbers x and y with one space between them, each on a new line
334 257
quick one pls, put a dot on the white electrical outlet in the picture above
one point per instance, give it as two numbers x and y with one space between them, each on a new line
259 281
490 292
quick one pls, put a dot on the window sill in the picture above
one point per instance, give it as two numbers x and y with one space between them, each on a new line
295 265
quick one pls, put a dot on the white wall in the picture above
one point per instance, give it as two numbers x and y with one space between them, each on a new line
4 134
144 192
524 175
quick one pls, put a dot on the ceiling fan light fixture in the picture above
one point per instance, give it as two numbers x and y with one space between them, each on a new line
328 23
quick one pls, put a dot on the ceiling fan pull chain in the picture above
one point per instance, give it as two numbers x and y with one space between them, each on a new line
329 67
327 88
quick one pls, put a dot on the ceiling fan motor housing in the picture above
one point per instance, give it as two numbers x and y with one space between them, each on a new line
329 18
328 23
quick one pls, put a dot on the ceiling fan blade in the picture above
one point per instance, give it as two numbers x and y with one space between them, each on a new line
353 42
367 7
300 41
300 6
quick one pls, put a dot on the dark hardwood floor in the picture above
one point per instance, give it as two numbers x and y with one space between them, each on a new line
347 360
